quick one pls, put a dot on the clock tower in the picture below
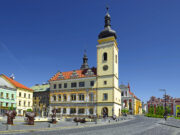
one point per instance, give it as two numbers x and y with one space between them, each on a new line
108 92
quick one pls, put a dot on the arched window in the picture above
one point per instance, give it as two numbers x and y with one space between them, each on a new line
105 56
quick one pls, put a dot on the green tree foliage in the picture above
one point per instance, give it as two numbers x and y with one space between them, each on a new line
29 110
151 110
125 111
11 108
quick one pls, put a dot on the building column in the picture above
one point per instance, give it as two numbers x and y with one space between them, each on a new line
68 110
68 97
77 97
76 110
87 111
95 109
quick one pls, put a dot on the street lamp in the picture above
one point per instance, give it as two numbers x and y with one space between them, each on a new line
165 113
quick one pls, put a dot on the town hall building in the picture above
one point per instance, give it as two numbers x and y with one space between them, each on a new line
90 91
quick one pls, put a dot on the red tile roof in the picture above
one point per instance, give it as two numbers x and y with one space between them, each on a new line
15 83
67 75
133 95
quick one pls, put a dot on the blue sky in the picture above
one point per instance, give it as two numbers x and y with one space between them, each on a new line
40 37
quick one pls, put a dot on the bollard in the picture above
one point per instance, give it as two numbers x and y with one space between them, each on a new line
116 120
8 127
109 121
96 121
77 123
50 125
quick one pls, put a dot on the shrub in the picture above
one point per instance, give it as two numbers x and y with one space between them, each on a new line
29 110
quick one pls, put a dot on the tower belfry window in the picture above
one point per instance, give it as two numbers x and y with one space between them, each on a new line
105 56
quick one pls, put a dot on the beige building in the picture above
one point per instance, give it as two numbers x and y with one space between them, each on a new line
90 91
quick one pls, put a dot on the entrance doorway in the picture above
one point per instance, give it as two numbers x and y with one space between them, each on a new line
105 112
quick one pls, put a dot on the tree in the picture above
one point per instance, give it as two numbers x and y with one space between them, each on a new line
29 110
151 110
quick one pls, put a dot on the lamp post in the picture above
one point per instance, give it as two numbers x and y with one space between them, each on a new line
165 113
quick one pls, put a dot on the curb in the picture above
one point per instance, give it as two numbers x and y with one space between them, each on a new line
169 125
59 128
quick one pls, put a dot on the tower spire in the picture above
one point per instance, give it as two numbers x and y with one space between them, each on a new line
85 61
107 32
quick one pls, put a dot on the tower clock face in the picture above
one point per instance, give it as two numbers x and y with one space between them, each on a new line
105 67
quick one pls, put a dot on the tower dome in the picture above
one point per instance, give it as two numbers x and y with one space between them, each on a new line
107 32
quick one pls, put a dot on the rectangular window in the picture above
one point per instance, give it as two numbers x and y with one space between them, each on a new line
64 110
60 85
54 97
11 104
24 103
73 85
65 85
59 97
73 97
1 104
81 84
28 104
24 95
72 110
58 110
12 96
91 110
7 95
6 104
19 111
91 97
81 97
19 103
122 93
105 96
91 83
54 86
64 97
2 95
105 82
81 111
29 96
19 94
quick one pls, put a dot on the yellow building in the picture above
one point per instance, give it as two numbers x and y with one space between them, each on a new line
41 99
24 96
138 107
90 91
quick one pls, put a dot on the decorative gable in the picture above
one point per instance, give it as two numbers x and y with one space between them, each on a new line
89 72
74 74
60 76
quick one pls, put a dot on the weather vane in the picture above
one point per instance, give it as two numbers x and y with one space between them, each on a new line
107 8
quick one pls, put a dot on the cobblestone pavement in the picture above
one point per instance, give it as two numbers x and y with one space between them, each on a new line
138 126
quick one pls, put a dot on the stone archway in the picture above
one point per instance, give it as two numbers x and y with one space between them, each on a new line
105 112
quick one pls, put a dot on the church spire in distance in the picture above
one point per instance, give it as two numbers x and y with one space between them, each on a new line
85 61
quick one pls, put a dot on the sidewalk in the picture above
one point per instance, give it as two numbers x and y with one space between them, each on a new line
171 122
21 127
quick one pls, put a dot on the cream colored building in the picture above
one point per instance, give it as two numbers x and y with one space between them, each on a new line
24 95
90 91
24 100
